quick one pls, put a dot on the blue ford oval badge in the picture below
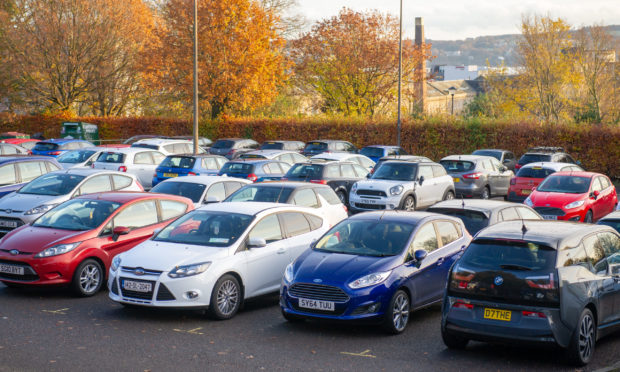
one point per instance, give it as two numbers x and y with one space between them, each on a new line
318 280
139 271
14 252
498 280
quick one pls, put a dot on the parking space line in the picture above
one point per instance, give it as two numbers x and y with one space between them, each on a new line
59 311
362 354
191 331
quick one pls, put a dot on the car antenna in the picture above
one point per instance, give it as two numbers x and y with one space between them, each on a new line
462 202
523 228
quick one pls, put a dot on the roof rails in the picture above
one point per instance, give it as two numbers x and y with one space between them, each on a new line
546 149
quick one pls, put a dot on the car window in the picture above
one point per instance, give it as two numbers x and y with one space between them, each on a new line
610 243
527 214
596 255
297 158
217 190
347 171
8 150
328 194
170 149
349 147
315 221
508 214
332 171
425 238
574 256
426 171
30 170
439 171
268 228
120 182
596 185
457 165
171 209
496 164
95 184
232 187
143 158
7 175
210 163
360 171
306 198
274 168
136 216
52 167
295 223
509 156
111 157
448 231
604 182
181 148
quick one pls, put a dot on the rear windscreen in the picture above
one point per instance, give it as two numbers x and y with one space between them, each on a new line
534 158
372 152
183 162
496 154
237 168
306 171
272 146
45 146
535 172
457 166
111 157
474 220
223 144
145 146
316 146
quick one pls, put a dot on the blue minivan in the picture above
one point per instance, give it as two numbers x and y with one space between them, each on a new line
374 267
15 172
376 152
188 165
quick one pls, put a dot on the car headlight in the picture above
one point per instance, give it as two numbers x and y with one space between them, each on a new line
396 190
528 202
116 263
371 279
288 273
57 249
40 209
189 270
354 187
575 204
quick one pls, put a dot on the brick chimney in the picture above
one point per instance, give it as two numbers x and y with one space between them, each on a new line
420 68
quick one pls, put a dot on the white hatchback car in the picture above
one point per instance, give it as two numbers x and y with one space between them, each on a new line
362 160
201 189
215 257
138 161
168 146
289 157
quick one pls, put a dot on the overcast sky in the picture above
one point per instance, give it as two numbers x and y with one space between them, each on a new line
450 19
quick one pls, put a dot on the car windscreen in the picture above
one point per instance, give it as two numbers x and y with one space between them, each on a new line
52 184
237 168
565 184
474 220
184 162
145 146
496 154
534 158
457 166
45 146
534 172
316 146
615 224
372 152
189 190
206 228
396 171
509 255
77 214
305 171
258 193
272 146
75 156
223 144
111 157
366 238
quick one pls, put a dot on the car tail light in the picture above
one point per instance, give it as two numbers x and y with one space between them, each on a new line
533 314
472 176
513 181
322 182
54 153
252 177
518 166
122 168
191 174
462 305
541 282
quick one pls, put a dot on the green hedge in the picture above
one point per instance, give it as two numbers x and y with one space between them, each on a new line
598 147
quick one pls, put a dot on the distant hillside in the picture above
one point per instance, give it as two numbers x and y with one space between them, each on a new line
476 51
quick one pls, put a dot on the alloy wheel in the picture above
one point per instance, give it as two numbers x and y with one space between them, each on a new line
227 297
90 276
409 204
400 312
586 337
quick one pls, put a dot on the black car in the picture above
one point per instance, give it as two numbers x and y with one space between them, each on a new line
320 146
232 148
411 158
297 146
546 154
537 283
507 158
479 213
612 219
340 176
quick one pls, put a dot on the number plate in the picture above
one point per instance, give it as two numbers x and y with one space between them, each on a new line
130 285
171 174
496 314
316 304
456 179
369 201
10 269
5 223
547 217
526 192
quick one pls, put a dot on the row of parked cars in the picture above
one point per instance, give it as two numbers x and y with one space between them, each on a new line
501 272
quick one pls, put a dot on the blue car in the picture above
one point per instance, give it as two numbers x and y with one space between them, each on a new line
55 147
188 165
255 170
15 172
374 267
376 152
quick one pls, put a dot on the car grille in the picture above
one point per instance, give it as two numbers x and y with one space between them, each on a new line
371 193
318 292
5 229
29 273
370 206
164 294
135 294
143 271
549 211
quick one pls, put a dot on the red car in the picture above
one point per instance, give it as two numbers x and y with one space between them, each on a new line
574 196
74 243
531 175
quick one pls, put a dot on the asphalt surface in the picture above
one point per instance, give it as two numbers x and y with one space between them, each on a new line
51 330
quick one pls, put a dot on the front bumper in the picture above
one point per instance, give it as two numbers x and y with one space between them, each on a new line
373 203
52 271
467 190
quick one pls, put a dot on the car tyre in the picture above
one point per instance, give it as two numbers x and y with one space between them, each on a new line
453 341
588 217
225 298
292 318
449 195
87 278
409 203
397 313
342 196
486 193
581 348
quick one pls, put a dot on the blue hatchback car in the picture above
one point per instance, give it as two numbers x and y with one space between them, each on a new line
374 267
15 172
376 152
255 170
55 147
188 165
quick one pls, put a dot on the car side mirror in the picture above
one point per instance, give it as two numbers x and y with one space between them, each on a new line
118 231
256 243
594 195
420 255
502 168
421 180
211 199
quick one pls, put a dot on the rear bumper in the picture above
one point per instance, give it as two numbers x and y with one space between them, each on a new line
516 198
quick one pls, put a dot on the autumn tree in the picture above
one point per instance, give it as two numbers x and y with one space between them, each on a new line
351 62
240 60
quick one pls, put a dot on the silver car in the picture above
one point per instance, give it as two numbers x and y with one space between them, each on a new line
45 192
477 175
140 162
201 189
79 158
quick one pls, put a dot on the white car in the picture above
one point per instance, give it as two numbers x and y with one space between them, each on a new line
168 146
215 257
82 158
289 157
45 192
201 189
362 160
138 161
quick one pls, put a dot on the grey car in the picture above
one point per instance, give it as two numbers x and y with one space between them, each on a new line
232 148
477 175
505 157
536 282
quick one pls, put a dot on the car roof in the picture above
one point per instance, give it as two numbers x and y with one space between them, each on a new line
552 233
90 171
500 150
63 140
471 158
550 164
401 216
195 156
254 161
612 216
205 180
249 208
476 204
289 184
283 141
577 174
403 157
160 141
127 150
128 196
337 156
270 152
383 146
328 141
234 139
11 159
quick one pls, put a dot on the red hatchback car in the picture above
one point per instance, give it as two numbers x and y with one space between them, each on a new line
74 243
574 196
531 175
